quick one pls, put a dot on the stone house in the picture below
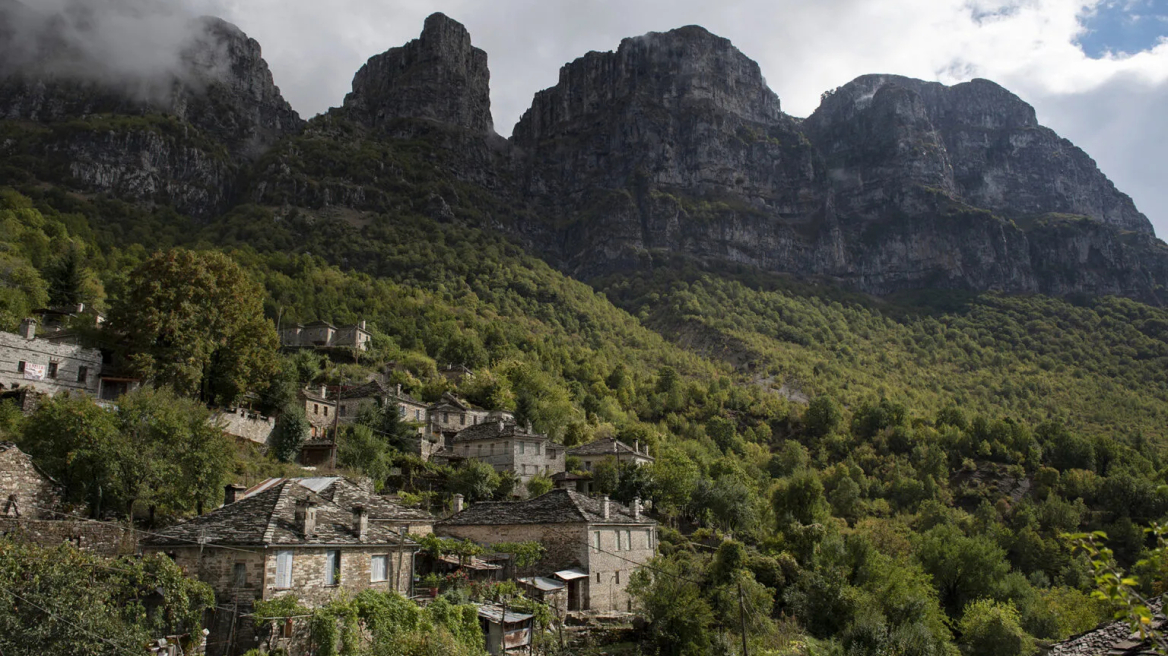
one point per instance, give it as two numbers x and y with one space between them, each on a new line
288 539
593 545
46 366
320 410
506 446
451 414
322 335
341 490
354 400
598 450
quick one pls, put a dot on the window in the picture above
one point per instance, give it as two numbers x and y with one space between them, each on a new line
446 417
284 569
618 577
82 374
537 448
316 408
522 448
401 411
378 567
628 540
326 411
52 370
332 568
596 540
618 541
598 577
288 627
462 419
239 574
417 415
20 367
344 410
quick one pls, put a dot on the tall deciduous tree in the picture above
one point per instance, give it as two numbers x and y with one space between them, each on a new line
194 320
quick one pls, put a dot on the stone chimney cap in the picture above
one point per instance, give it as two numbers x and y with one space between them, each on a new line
604 507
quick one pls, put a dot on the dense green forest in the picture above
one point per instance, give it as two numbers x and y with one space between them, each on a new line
843 474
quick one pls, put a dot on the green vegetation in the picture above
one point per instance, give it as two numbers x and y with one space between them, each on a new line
841 474
64 601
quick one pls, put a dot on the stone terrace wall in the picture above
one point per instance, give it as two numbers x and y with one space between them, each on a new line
33 493
99 537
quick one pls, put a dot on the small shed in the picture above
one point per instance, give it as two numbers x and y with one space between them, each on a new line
505 630
575 579
552 592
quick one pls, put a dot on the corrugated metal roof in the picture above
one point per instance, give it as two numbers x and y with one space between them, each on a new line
495 614
542 584
571 574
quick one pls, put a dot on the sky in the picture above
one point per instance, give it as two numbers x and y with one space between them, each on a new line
1095 70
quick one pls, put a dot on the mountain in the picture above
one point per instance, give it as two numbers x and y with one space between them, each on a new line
671 144
179 133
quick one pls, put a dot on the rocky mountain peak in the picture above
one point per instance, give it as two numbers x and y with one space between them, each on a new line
683 70
975 141
438 76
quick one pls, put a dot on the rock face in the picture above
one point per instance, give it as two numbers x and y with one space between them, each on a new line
975 141
673 143
439 76
176 134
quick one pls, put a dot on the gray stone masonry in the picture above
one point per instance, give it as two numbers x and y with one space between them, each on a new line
68 368
25 491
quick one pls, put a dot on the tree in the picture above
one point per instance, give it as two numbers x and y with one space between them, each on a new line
963 568
991 628
64 601
606 475
70 282
822 416
194 320
359 448
291 431
800 499
539 485
668 596
475 480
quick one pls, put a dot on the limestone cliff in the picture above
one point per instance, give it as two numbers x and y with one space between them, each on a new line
438 76
177 135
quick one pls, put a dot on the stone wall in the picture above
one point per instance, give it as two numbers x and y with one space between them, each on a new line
102 538
24 491
245 425
566 544
69 358
526 457
308 573
609 568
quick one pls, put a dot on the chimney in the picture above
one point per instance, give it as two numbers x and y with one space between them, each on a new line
636 446
306 517
637 508
361 522
604 507
324 391
458 499
500 425
399 389
362 324
28 328
233 492
529 427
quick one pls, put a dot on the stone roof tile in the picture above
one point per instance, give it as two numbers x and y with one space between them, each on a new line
555 507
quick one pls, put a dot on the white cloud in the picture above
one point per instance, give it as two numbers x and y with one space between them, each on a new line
1108 106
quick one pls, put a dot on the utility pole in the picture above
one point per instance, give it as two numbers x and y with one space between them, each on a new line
742 616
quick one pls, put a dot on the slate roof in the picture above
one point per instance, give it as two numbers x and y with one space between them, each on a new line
608 445
347 494
372 389
269 518
555 507
490 430
1113 639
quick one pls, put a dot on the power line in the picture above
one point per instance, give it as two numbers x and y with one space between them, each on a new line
132 652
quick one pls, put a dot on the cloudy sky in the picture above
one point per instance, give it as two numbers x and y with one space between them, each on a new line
1096 70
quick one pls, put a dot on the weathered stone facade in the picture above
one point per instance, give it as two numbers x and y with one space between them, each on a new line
312 538
322 334
48 367
509 447
25 491
595 452
105 538
599 539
